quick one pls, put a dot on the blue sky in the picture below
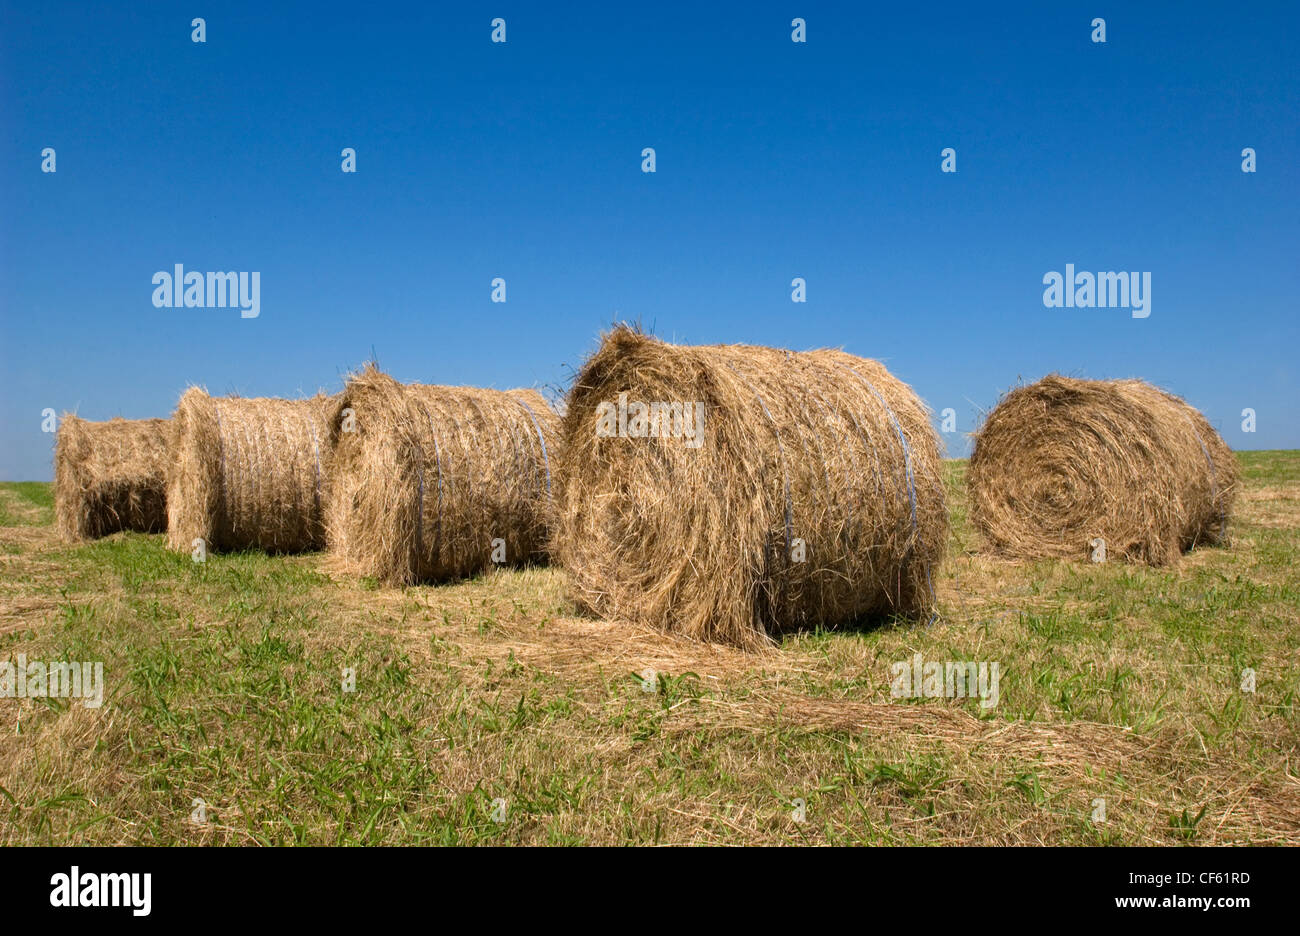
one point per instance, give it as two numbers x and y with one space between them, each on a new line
522 160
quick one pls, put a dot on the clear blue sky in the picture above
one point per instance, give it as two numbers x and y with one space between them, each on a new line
523 160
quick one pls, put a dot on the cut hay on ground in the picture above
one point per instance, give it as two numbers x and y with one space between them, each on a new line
430 483
819 446
1064 461
246 473
108 476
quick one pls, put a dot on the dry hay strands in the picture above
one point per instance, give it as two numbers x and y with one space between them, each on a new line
432 483
247 473
812 496
109 476
1063 462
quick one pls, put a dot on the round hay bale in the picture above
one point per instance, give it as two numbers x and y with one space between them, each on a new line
810 496
109 476
1064 461
430 483
246 473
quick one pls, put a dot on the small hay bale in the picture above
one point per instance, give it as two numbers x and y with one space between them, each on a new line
704 540
246 473
109 476
1064 461
431 483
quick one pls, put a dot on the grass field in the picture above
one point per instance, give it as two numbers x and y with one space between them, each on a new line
224 684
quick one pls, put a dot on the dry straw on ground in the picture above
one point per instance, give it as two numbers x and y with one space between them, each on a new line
1063 461
430 483
819 446
246 473
108 476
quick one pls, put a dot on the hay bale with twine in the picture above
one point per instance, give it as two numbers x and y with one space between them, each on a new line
247 473
109 476
1064 462
431 483
808 494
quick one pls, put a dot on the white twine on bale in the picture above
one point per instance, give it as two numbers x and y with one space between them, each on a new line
419 503
911 486
221 444
315 446
1214 485
546 461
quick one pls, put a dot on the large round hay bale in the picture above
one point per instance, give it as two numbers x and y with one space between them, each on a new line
109 476
810 496
246 473
1063 462
430 483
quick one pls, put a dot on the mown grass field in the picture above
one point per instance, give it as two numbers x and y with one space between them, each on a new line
224 684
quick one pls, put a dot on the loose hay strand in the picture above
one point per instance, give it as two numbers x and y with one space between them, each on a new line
1063 461
424 478
247 473
819 446
109 476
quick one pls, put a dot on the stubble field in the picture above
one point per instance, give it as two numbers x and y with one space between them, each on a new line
489 712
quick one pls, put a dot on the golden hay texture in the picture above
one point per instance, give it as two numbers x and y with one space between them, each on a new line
424 479
109 476
1064 461
246 473
817 446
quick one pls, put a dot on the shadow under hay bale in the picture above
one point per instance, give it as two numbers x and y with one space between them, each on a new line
246 473
431 483
1063 462
109 476
811 494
